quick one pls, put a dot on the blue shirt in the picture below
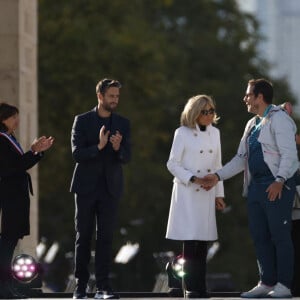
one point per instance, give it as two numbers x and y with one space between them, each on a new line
259 170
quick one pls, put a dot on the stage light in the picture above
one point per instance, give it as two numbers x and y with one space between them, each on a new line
213 249
127 252
175 273
24 268
175 270
177 266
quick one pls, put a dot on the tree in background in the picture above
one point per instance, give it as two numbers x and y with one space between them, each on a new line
163 52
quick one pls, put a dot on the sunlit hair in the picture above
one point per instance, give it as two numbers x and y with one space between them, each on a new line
6 111
104 84
193 108
264 87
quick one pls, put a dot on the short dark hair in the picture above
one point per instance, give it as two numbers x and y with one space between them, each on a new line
103 85
264 87
6 111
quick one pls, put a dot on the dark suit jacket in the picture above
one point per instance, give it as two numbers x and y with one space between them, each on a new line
90 162
14 189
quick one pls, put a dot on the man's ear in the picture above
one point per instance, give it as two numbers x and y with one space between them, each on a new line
99 96
260 97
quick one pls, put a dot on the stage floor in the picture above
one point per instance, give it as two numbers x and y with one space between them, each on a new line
147 298
144 296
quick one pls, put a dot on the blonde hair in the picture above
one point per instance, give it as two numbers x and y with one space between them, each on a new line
193 108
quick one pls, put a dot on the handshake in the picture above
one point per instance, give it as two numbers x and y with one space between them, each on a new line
207 182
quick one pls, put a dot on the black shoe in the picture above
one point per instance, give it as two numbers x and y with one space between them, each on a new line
196 294
175 292
106 293
80 293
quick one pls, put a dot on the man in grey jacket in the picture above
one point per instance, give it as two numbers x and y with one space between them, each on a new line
268 156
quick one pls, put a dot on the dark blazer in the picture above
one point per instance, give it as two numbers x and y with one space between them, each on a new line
15 184
90 162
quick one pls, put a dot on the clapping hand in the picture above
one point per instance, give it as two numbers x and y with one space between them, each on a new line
103 137
42 144
115 140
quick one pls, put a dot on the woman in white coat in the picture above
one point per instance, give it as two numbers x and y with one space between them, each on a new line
195 152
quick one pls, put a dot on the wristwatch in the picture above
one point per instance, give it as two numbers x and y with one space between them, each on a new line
279 179
217 176
192 179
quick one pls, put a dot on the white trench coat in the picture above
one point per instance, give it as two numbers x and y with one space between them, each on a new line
192 213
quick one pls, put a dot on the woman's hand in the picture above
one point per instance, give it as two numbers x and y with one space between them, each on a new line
208 181
42 144
220 204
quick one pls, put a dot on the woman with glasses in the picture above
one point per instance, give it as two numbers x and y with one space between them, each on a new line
195 152
15 185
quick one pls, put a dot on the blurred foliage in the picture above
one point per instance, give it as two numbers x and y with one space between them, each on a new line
163 52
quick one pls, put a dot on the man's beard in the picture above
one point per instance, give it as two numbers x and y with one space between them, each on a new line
109 107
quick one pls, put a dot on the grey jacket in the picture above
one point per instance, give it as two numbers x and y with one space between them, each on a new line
277 137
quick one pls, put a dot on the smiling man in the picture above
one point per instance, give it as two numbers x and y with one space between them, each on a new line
268 156
100 145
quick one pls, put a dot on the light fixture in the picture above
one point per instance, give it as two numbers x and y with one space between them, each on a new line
177 266
175 273
127 252
24 268
175 270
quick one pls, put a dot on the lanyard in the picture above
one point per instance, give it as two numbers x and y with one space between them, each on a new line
259 120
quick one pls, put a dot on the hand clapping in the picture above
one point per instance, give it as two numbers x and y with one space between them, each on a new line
42 144
115 140
103 137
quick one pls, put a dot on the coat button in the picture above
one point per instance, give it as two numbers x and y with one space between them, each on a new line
210 151
201 151
208 170
198 171
195 134
197 190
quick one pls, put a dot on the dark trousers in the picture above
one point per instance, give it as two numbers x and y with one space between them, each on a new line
194 254
270 228
99 207
296 243
7 248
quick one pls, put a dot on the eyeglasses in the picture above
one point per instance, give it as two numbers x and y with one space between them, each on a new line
107 83
206 112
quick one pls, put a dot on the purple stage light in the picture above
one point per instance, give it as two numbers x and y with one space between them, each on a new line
24 268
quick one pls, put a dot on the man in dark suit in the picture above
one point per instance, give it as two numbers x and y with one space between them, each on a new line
100 145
